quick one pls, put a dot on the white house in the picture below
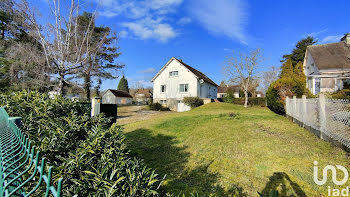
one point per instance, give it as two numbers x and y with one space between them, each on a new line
222 91
327 66
177 80
116 97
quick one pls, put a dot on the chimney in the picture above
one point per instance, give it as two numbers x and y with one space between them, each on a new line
346 38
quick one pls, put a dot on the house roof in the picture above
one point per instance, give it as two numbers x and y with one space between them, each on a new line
196 72
235 88
119 93
146 92
331 56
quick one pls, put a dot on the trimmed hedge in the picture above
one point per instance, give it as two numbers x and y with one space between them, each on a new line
193 101
252 101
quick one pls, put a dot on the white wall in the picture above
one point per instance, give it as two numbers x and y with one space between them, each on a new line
172 83
109 98
206 90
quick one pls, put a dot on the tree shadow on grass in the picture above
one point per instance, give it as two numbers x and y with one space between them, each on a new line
161 153
281 182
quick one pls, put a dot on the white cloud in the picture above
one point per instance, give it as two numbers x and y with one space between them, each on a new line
123 34
335 38
184 21
148 70
136 8
148 17
151 29
315 34
222 17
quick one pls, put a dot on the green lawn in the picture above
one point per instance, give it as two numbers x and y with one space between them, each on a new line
226 150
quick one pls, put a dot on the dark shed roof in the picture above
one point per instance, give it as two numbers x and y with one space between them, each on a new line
119 93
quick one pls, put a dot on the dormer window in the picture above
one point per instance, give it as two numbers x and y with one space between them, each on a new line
173 73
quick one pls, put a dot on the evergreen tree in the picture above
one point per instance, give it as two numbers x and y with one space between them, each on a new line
223 84
123 84
287 69
298 54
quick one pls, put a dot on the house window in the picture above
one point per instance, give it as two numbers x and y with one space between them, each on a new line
163 88
173 73
209 91
183 87
162 101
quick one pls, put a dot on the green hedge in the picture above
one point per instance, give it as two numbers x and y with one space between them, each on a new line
252 101
91 157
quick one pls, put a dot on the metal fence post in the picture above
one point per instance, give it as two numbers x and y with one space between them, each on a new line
95 106
322 114
304 110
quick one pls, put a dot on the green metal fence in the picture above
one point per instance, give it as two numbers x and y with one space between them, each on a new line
22 172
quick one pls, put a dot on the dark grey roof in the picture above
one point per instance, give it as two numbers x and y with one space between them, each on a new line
331 56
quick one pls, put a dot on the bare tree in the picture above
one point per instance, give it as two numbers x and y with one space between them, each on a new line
64 43
242 68
269 76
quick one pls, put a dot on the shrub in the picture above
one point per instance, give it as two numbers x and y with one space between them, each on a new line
228 98
106 168
274 101
92 158
280 89
252 101
342 94
155 106
193 101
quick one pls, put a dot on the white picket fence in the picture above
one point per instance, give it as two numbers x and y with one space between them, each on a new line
331 117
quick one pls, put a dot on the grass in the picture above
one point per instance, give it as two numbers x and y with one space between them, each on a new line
222 149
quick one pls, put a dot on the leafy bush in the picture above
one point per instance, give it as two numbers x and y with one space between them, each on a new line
92 158
292 82
342 94
193 101
155 106
228 98
105 168
274 101
280 89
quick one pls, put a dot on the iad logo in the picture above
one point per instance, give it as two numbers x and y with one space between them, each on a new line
334 174
334 191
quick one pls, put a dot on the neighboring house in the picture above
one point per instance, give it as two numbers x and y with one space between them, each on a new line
177 80
259 94
327 66
116 97
143 96
222 91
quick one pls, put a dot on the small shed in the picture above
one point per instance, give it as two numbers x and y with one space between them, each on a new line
116 97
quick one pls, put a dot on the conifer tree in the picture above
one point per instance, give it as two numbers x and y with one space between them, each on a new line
287 69
123 84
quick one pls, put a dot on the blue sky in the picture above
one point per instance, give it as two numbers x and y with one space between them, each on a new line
204 32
